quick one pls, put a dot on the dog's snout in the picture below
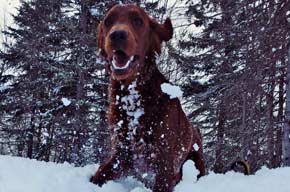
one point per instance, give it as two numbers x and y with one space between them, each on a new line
118 36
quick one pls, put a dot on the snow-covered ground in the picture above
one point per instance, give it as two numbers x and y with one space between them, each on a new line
23 175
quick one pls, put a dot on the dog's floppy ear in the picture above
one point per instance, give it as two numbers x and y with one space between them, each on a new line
100 39
160 33
164 31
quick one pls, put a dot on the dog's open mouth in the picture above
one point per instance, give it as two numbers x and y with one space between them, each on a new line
121 62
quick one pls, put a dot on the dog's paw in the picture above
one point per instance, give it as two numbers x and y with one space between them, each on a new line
96 179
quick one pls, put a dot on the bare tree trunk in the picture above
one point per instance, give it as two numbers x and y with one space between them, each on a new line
270 120
281 101
286 128
244 139
30 141
218 166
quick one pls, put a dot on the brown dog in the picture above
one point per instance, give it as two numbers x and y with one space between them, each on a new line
151 136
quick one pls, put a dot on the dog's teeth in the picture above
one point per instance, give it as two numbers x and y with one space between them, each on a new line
124 67
114 61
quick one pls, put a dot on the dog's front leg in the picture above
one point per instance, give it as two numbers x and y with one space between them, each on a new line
164 181
112 169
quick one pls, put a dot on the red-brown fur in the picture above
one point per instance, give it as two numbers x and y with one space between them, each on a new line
162 139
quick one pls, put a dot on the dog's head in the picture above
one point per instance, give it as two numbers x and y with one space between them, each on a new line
127 36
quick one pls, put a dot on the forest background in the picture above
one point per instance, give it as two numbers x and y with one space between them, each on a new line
230 58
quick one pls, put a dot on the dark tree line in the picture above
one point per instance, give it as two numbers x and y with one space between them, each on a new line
230 57
53 84
53 108
243 50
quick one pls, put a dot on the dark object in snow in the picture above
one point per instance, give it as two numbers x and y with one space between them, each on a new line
241 166
151 135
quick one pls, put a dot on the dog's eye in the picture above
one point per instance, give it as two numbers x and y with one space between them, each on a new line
138 22
108 22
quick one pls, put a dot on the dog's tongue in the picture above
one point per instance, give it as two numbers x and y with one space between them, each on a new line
120 58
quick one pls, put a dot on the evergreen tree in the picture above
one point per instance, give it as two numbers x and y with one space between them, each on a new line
242 50
55 107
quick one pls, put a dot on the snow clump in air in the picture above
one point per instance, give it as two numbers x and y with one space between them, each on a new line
171 90
65 101
196 147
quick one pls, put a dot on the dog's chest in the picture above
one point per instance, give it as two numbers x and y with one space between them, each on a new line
131 125
130 108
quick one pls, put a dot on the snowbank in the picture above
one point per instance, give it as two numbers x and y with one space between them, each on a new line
23 175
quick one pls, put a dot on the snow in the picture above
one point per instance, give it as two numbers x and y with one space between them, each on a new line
4 88
171 90
65 101
100 61
24 175
196 147
132 105
94 12
120 123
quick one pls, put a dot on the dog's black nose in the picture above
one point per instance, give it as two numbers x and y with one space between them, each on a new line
118 36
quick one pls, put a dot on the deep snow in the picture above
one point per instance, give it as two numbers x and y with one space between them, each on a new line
23 175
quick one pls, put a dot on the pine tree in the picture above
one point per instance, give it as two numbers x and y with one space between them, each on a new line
55 109
56 92
242 50
286 128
